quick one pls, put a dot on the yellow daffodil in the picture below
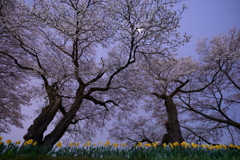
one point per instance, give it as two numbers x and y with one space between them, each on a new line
223 146
147 145
194 145
238 147
203 146
17 142
76 144
155 144
94 144
100 143
35 143
59 144
1 142
139 144
30 141
164 145
210 147
184 144
1 138
71 144
170 144
175 143
231 146
115 145
123 145
88 143
107 143
217 147
25 143
9 141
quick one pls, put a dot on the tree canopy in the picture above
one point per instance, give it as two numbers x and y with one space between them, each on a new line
57 42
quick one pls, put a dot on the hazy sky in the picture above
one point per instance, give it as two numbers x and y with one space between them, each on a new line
203 18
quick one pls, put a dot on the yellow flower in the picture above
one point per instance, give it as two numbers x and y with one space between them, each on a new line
194 145
1 138
217 147
1 142
76 144
171 145
123 145
100 142
203 145
59 144
107 143
30 141
71 144
155 144
88 143
17 142
164 145
210 147
9 141
35 143
238 147
94 144
184 144
148 145
175 143
115 145
223 146
25 143
231 146
139 144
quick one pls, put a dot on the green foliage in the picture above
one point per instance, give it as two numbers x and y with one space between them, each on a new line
174 151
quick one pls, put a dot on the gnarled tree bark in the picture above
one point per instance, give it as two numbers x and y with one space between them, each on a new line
172 125
40 124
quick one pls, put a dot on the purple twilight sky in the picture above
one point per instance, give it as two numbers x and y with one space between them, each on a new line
203 18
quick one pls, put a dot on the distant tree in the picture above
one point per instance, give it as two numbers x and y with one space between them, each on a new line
214 108
56 42
166 79
161 82
157 85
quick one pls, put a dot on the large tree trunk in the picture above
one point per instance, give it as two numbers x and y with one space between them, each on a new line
172 125
65 121
40 124
35 131
63 124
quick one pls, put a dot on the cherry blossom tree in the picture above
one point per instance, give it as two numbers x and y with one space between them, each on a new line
204 93
13 85
157 85
56 42
214 108
166 79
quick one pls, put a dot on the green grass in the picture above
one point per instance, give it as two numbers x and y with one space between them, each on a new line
27 157
12 151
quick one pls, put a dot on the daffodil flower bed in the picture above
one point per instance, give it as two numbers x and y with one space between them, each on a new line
139 151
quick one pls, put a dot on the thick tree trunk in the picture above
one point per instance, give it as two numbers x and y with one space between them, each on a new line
65 121
40 124
172 125
35 131
62 126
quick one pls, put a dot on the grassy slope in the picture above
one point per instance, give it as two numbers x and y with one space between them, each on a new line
22 157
